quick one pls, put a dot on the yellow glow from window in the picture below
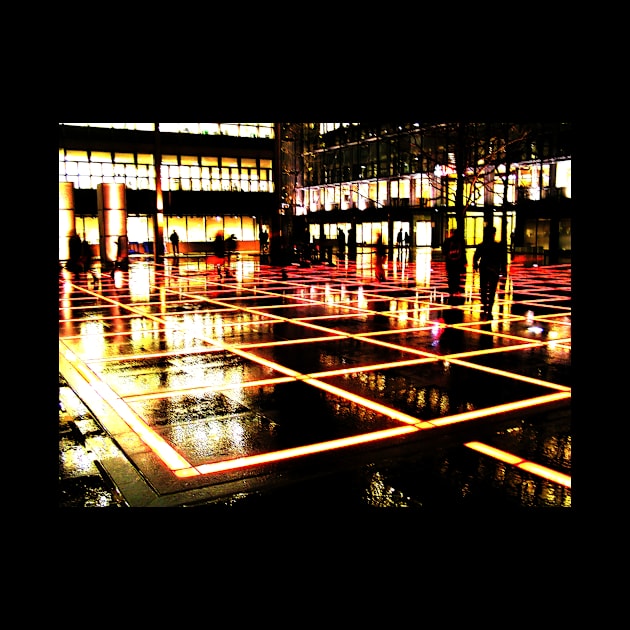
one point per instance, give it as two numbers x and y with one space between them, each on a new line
100 156
189 160
125 158
77 156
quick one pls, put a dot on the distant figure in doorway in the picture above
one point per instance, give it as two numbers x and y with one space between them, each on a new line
454 250
175 242
490 260
380 253
399 239
407 241
264 241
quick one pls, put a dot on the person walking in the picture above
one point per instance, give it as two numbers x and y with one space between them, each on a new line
380 253
341 242
86 255
230 248
454 250
219 253
489 260
399 239
175 242
74 261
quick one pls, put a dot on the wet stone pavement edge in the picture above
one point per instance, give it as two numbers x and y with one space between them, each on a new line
447 478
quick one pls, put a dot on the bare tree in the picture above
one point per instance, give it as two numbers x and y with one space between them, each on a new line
473 155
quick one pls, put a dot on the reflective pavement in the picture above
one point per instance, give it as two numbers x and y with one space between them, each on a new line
313 386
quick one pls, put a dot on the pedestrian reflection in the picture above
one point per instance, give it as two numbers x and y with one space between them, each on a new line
452 338
380 307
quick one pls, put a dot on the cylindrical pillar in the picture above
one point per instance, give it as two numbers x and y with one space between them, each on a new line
67 227
112 225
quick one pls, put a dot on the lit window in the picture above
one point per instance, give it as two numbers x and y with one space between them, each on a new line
125 158
100 156
77 156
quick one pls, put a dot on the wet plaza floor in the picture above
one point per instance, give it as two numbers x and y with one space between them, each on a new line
314 386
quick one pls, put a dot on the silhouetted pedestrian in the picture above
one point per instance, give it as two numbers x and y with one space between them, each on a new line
219 253
490 260
264 241
122 253
230 248
380 253
407 241
86 255
352 243
454 250
175 242
74 253
399 239
341 242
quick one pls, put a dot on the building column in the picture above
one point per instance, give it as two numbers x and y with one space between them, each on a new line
67 226
112 225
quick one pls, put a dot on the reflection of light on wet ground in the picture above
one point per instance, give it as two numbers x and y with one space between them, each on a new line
140 283
303 313
513 460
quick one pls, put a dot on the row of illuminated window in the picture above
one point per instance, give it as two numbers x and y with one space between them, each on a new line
140 230
242 130
137 172
527 182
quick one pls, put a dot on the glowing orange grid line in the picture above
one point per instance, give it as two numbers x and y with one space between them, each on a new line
519 462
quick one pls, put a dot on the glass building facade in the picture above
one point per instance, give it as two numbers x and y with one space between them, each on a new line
308 181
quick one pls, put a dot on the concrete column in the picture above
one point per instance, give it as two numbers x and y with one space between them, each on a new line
67 226
112 225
